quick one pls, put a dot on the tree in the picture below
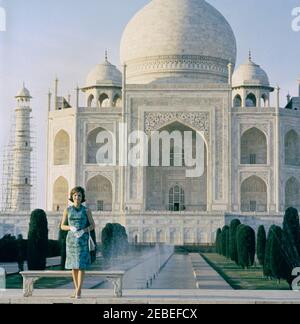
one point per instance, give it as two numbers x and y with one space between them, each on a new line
245 246
267 263
279 267
225 241
261 245
37 240
232 239
291 229
219 241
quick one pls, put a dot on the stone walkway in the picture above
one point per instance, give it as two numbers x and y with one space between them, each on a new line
206 277
192 296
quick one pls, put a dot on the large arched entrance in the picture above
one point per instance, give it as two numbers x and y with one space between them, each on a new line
168 186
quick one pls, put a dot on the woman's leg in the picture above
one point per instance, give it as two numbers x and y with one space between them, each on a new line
75 279
80 282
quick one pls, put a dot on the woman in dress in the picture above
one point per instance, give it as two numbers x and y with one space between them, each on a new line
80 223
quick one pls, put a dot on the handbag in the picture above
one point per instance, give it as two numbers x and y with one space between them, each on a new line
92 246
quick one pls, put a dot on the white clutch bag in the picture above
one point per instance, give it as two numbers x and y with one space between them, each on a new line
92 246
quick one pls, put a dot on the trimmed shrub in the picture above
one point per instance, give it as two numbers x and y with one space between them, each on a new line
291 229
278 264
267 263
225 241
37 246
245 246
261 245
232 239
219 241
114 240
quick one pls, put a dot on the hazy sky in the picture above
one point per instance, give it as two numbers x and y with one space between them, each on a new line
67 38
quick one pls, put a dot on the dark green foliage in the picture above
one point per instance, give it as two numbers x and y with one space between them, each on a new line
278 264
219 241
37 240
225 241
261 244
63 248
21 254
291 229
232 239
267 263
245 246
8 249
114 240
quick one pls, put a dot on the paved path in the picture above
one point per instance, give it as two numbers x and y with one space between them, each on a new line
192 296
178 274
205 276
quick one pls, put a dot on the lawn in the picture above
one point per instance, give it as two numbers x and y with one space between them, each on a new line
250 279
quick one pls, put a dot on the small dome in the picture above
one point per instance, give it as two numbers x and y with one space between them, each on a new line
104 74
24 92
250 74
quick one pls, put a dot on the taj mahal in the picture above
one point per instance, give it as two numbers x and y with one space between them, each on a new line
178 72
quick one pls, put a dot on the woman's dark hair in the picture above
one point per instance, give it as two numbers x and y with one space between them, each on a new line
77 190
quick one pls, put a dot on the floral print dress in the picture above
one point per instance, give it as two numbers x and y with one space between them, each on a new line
78 254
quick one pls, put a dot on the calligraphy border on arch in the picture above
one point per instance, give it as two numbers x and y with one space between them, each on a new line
197 120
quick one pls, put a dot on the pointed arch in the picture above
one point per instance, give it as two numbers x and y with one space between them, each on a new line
264 102
292 193
117 102
254 148
292 148
104 100
91 101
92 147
237 101
62 148
160 176
251 100
99 194
60 194
254 195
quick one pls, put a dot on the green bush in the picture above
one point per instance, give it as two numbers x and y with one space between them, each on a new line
225 241
114 240
232 239
278 264
267 263
219 241
291 236
37 244
261 244
245 246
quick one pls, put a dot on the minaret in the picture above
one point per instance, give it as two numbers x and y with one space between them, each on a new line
21 176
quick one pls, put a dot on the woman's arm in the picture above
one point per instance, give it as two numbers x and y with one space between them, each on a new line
91 221
64 221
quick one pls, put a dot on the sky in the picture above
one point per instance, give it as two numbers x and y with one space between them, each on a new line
66 38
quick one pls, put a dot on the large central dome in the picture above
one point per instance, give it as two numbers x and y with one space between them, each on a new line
178 41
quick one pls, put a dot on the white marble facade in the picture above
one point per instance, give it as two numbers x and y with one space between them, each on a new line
180 75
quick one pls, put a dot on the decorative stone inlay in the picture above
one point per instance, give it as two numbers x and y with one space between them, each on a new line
197 120
106 174
181 63
262 175
262 127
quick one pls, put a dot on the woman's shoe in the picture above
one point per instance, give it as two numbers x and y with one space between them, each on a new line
73 296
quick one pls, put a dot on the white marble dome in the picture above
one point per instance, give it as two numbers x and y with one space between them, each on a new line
105 74
178 40
24 93
250 74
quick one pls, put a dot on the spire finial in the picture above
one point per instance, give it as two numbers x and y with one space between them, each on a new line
106 55
250 55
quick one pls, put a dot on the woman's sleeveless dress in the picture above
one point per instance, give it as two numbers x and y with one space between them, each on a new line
78 254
